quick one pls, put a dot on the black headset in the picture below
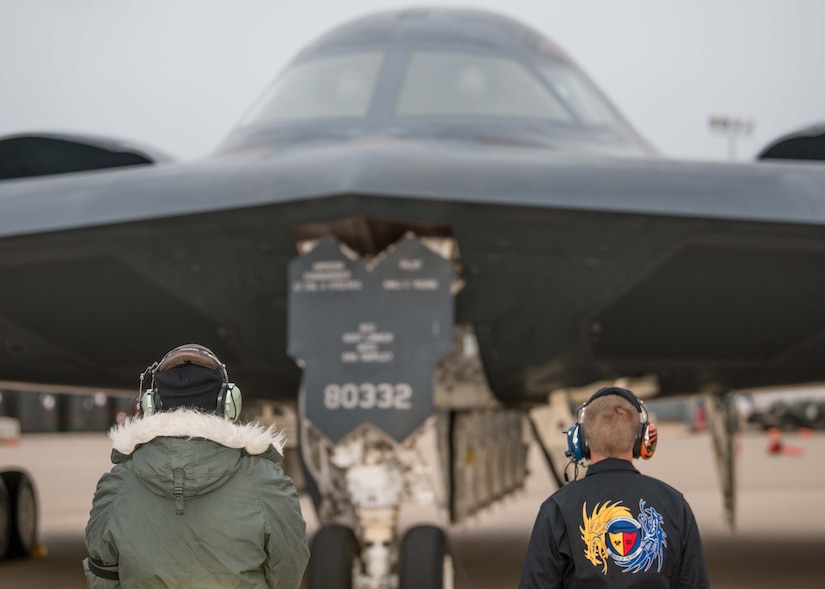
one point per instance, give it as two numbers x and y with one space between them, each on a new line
646 436
229 399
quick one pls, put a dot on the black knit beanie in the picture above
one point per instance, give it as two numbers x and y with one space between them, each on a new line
189 385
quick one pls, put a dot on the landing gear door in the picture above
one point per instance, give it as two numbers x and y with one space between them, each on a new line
369 336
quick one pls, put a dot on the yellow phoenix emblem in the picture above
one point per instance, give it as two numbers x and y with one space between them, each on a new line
594 530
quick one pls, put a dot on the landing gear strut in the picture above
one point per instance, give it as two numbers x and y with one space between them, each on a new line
722 419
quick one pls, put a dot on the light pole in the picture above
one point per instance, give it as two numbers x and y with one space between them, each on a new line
732 128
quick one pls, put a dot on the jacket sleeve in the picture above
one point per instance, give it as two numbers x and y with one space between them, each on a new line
544 565
100 577
693 572
286 540
101 565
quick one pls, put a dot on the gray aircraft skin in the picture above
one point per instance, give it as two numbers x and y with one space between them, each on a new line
584 255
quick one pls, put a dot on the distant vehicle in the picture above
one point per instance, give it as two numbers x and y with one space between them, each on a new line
792 415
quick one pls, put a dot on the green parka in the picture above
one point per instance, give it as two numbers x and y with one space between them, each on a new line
195 501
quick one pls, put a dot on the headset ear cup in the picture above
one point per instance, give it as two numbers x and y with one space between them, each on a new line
650 437
574 442
637 443
233 402
150 403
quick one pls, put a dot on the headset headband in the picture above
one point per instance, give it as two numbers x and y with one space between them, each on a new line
194 353
622 392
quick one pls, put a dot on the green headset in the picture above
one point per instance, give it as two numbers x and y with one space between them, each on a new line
228 402
646 436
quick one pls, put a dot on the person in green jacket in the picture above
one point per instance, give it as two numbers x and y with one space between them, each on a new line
194 499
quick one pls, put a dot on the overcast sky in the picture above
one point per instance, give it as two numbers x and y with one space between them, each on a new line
178 74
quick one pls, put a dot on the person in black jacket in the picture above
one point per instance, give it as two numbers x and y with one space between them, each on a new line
615 527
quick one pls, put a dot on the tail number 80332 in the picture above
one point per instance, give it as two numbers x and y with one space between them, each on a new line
368 396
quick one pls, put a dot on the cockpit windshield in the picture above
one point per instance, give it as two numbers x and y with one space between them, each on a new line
434 84
331 87
453 84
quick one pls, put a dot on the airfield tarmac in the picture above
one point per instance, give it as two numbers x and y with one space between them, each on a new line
779 539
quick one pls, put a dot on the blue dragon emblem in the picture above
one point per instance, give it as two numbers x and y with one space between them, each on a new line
653 541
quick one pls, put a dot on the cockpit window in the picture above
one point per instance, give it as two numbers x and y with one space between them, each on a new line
340 86
438 84
456 84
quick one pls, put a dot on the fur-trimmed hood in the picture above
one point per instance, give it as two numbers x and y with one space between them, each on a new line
184 454
186 423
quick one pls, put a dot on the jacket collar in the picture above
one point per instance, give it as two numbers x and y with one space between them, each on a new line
611 464
186 423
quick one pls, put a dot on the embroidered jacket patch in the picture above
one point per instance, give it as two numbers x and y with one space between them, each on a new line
611 531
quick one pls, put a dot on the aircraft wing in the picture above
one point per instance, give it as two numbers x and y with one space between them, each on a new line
577 267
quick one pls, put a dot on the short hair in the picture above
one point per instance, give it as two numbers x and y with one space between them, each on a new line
611 424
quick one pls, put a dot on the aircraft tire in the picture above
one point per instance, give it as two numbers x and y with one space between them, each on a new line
23 514
425 560
334 558
5 520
